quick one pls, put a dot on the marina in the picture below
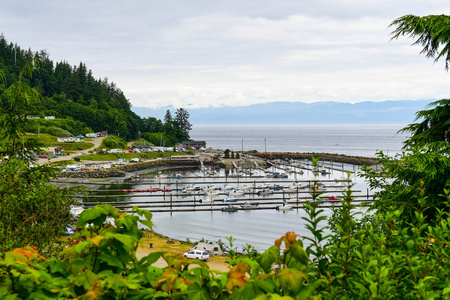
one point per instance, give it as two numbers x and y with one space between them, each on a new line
184 214
179 200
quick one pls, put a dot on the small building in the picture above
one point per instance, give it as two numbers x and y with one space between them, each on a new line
191 144
213 249
102 133
185 157
71 139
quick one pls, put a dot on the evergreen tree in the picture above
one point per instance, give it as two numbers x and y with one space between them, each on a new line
424 166
168 117
182 120
432 32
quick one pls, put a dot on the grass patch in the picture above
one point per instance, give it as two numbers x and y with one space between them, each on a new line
160 244
74 146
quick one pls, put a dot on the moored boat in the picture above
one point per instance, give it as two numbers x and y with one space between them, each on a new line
235 193
230 199
284 207
229 208
249 205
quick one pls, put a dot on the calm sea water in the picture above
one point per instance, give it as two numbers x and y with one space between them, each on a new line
260 228
359 140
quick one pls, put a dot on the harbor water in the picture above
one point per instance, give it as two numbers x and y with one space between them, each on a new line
260 228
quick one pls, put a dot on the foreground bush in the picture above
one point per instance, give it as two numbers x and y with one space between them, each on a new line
369 257
101 263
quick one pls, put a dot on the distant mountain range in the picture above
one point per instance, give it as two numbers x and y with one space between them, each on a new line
290 113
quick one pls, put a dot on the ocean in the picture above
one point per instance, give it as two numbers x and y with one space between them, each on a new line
260 228
358 140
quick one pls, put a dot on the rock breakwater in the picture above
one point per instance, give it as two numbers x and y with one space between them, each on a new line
121 171
342 158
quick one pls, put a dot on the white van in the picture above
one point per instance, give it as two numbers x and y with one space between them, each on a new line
134 160
197 254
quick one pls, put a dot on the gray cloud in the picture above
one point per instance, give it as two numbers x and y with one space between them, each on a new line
204 53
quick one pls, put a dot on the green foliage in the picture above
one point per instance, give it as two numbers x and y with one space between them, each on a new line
182 121
432 32
58 127
74 146
72 93
101 263
377 256
17 102
401 177
113 142
32 211
432 128
142 142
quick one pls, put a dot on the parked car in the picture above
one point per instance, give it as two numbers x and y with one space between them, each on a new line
197 254
43 156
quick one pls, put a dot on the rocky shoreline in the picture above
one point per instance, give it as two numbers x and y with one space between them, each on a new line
122 171
341 158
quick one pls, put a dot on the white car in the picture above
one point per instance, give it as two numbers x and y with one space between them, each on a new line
197 254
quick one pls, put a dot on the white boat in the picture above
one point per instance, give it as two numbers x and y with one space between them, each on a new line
193 188
213 188
228 187
212 194
76 210
207 200
338 185
235 193
284 207
178 176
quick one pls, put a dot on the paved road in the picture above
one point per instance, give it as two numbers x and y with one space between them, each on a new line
97 143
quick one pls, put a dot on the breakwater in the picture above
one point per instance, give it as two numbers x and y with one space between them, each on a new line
121 171
341 158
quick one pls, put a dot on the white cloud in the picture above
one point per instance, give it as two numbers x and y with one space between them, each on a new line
197 54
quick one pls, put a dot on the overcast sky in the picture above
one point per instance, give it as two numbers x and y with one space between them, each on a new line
192 53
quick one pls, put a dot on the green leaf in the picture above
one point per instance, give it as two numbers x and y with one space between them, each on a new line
196 292
268 258
5 294
299 253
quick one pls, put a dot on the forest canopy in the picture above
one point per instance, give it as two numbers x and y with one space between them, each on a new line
72 92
